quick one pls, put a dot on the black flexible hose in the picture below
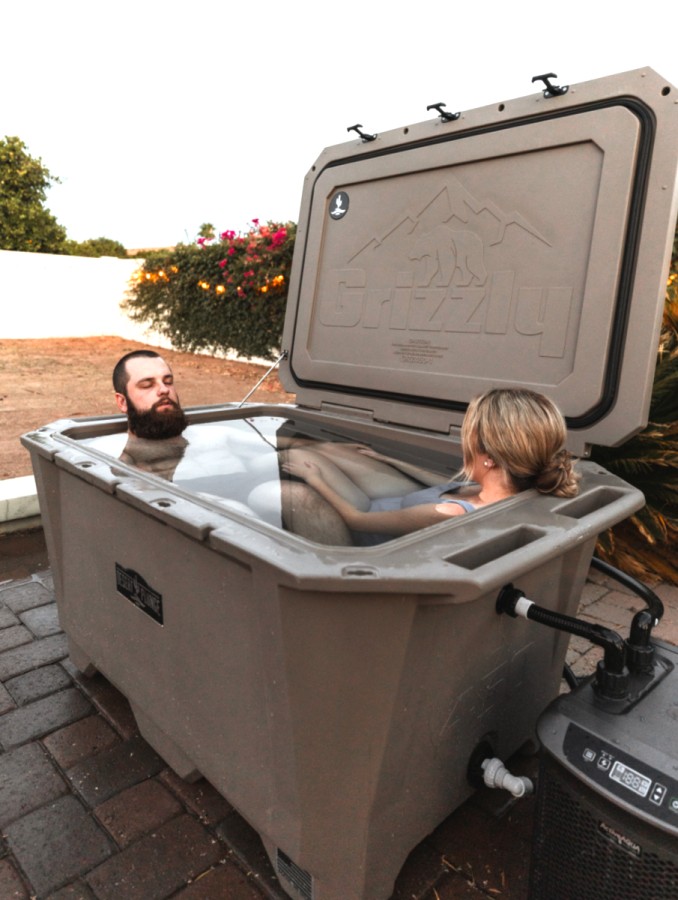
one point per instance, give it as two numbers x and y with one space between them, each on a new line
612 643
612 676
654 604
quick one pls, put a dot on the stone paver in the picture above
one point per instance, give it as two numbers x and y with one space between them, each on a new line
114 769
57 842
83 739
222 882
137 810
38 683
88 811
39 653
42 716
27 780
159 864
6 700
14 636
11 884
7 617
43 620
25 596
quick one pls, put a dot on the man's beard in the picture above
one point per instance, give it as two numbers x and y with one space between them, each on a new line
156 424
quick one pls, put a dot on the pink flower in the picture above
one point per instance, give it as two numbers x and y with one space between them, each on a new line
201 241
279 237
255 221
223 263
231 251
227 235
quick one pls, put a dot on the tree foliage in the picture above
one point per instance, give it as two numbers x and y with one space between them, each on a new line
645 545
219 295
207 231
101 246
25 223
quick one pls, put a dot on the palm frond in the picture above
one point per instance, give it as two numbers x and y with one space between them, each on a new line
646 544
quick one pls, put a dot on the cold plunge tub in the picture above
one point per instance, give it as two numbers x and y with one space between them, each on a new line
336 695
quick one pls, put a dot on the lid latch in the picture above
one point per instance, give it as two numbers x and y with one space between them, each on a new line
365 137
551 90
444 114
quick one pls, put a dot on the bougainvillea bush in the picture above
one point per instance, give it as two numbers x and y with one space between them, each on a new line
221 294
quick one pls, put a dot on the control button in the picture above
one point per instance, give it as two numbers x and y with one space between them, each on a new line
658 794
604 762
589 755
673 804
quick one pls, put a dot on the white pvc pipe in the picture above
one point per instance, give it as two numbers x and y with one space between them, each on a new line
496 775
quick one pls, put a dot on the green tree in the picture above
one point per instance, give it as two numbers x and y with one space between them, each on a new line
207 231
100 246
25 223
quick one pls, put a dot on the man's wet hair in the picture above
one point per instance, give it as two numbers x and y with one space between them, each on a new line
120 373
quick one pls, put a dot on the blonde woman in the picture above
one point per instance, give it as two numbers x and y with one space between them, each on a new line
511 440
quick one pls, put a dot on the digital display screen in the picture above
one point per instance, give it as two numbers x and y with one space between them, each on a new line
629 778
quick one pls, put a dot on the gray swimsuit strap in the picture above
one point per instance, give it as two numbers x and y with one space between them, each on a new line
465 505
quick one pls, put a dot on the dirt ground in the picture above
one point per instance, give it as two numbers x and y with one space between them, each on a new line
45 380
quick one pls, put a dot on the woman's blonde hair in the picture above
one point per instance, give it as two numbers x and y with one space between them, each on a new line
523 433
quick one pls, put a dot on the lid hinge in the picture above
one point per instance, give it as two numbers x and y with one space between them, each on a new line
337 409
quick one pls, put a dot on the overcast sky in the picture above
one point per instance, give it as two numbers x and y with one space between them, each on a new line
160 116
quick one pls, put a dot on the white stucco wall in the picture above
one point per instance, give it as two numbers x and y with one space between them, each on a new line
43 296
48 296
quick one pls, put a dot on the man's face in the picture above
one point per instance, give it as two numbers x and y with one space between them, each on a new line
151 402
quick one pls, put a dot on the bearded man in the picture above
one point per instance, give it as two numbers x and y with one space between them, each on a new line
145 392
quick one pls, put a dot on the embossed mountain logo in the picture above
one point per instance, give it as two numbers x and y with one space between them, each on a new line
447 252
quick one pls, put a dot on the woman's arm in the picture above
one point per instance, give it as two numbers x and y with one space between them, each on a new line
395 522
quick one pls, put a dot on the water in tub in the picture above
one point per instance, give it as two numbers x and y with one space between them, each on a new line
237 463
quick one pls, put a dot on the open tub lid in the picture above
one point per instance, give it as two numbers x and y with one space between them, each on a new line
525 244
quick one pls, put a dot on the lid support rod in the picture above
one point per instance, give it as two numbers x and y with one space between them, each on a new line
263 378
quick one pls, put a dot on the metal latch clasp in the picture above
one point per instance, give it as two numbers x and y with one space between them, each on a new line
551 90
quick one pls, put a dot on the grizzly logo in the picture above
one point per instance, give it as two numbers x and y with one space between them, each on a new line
132 586
443 270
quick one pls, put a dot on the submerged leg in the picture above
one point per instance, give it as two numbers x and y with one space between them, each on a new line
335 477
304 512
373 477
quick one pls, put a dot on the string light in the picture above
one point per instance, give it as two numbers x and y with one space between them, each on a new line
276 239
